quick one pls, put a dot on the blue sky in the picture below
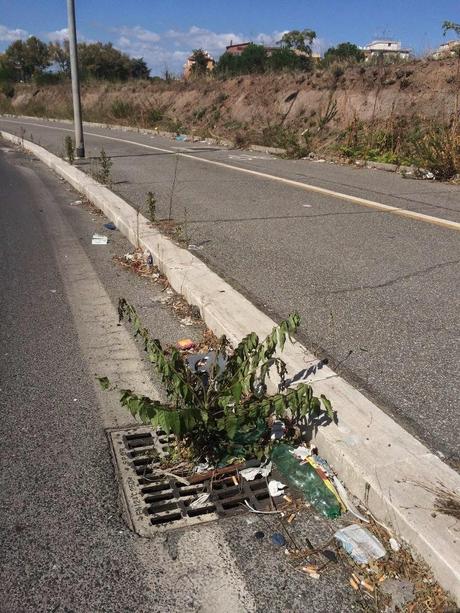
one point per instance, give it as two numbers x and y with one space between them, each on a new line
165 31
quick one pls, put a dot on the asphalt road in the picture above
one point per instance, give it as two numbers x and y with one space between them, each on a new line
64 545
377 292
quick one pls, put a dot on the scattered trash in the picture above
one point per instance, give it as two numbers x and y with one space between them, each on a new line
99 239
76 203
330 555
193 247
187 321
276 488
401 592
278 539
198 502
278 430
367 585
202 468
362 546
110 226
185 344
181 138
149 260
305 478
251 473
394 544
311 570
354 584
203 363
302 453
307 206
53 291
342 492
259 535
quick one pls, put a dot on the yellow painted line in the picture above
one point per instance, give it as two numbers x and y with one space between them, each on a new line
439 221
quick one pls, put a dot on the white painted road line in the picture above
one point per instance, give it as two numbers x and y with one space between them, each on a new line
439 221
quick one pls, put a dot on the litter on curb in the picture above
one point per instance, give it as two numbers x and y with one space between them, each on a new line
276 488
251 473
99 239
362 546
307 477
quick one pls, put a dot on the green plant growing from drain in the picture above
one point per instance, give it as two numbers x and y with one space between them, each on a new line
220 411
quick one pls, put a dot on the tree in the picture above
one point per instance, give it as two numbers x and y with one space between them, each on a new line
301 40
60 55
103 61
27 58
450 25
253 59
138 69
344 52
200 61
286 59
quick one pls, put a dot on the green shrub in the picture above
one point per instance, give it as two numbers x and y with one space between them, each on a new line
221 412
121 109
154 115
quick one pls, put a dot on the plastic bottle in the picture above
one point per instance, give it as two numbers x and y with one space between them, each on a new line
304 478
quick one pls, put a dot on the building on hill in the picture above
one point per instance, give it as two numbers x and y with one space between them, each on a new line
238 48
190 63
447 49
386 49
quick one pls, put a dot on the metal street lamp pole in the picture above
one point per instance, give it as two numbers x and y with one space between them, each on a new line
79 143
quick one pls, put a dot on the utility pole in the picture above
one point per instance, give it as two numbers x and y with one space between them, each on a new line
79 143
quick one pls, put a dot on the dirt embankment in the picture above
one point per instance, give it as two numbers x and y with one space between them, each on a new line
264 109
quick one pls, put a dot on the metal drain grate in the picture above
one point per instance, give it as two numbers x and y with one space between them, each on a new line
158 502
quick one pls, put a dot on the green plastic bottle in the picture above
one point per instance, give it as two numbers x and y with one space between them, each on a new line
304 478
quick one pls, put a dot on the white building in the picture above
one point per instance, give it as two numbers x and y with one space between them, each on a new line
446 49
385 48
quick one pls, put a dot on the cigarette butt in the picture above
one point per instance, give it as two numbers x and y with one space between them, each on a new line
354 584
382 578
367 585
291 518
287 498
311 571
356 578
235 480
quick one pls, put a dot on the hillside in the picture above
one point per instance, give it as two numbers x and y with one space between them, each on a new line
337 110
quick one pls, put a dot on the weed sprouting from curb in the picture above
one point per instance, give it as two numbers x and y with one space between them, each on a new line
103 171
69 149
151 205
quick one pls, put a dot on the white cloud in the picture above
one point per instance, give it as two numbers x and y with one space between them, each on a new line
139 33
9 35
58 36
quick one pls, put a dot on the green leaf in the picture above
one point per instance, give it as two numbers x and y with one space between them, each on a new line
104 382
231 425
328 406
237 390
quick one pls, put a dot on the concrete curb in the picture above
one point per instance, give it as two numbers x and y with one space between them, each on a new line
377 459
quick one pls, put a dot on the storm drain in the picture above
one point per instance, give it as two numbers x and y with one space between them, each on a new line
155 501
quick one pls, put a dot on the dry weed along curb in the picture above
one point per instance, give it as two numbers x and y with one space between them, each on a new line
378 461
